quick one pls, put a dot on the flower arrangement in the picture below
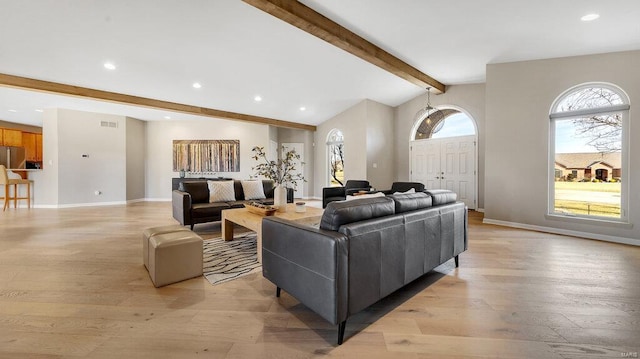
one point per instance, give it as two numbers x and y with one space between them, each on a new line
280 171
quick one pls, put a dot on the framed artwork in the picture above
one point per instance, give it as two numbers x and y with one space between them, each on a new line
206 155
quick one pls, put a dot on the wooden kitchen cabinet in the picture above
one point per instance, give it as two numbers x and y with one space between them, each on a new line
39 147
32 143
12 137
29 144
1 136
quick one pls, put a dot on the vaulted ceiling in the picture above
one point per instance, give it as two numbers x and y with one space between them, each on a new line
237 51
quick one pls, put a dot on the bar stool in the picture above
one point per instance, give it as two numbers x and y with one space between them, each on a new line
7 182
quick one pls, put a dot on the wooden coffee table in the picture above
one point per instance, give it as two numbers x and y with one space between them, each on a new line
252 221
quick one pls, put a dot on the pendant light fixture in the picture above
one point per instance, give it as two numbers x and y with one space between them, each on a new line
432 119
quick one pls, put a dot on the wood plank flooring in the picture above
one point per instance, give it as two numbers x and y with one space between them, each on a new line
72 284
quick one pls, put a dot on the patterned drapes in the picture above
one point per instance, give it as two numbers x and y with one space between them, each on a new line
206 155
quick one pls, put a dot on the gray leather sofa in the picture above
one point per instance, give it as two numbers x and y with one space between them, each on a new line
190 202
364 250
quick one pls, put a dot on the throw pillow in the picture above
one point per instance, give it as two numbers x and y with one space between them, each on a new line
410 190
369 195
221 191
253 190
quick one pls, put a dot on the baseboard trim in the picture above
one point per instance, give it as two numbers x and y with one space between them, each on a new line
565 232
157 199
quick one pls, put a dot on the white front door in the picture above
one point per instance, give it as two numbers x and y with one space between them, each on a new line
446 163
299 147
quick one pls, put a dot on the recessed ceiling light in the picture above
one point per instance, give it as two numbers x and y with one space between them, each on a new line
589 17
197 85
13 110
257 98
38 110
109 66
167 117
303 108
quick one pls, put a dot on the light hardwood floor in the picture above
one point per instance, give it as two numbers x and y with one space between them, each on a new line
72 284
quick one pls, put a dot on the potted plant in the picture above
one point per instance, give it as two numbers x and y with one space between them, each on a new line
283 172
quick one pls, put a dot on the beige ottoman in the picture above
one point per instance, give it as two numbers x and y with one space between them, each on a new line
174 257
150 232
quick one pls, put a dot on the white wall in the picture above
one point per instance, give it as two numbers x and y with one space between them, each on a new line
68 178
159 140
352 123
286 135
368 137
380 145
104 168
136 154
45 182
470 98
518 99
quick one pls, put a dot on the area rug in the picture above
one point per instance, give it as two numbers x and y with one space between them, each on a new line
228 260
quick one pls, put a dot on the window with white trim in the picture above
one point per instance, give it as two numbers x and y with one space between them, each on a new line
588 153
335 154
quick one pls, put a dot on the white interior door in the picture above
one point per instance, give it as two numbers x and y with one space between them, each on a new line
447 163
299 147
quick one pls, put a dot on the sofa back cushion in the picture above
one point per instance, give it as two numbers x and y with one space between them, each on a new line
221 191
442 196
268 186
343 212
411 201
253 189
198 190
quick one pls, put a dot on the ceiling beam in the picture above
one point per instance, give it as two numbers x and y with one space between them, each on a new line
84 92
307 19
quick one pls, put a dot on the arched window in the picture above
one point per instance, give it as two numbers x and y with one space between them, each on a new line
588 172
444 123
335 154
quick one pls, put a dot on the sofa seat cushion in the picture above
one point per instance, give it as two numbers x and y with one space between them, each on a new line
442 196
344 212
203 210
411 201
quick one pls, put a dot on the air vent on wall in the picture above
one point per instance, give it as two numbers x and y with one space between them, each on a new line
108 124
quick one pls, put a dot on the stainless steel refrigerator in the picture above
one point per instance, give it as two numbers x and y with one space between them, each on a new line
12 157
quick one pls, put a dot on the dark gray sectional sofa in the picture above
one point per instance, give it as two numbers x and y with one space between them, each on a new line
364 250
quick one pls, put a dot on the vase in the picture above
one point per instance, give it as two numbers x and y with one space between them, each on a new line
280 198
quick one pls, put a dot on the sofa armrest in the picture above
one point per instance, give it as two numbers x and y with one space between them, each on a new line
181 205
308 263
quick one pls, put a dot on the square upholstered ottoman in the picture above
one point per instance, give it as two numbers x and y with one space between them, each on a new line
153 231
174 256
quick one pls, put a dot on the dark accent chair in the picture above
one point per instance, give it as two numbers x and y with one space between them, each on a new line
331 194
404 186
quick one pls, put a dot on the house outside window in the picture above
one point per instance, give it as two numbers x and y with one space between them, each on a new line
589 151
